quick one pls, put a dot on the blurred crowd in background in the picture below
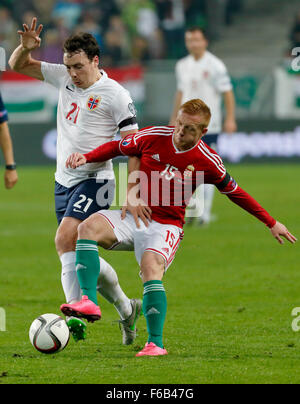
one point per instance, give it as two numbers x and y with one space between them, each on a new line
127 30
295 33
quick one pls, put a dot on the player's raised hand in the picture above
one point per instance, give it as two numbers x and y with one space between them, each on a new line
30 37
280 230
75 160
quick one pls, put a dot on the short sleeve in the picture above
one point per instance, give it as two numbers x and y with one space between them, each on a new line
3 112
222 79
124 112
54 74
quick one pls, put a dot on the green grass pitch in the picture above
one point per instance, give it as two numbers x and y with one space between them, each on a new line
230 290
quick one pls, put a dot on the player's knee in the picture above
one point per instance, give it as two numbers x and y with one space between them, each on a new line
65 241
152 267
86 230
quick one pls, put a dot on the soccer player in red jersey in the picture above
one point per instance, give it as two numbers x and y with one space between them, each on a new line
171 159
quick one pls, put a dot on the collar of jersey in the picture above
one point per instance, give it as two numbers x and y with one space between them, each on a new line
98 83
183 151
201 60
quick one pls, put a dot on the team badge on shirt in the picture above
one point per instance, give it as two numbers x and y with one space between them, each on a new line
205 75
189 171
93 102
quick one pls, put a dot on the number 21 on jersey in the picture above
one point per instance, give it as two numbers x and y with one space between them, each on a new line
73 113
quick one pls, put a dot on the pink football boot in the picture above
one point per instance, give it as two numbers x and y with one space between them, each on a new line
150 349
83 309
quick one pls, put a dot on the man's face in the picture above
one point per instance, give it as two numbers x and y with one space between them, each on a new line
188 130
195 42
81 69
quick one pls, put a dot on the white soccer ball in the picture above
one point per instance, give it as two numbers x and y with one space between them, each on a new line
49 333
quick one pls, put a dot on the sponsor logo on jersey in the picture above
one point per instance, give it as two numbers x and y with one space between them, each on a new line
156 157
70 89
93 102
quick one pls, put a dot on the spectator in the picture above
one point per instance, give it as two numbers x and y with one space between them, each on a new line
108 9
94 8
171 13
232 7
117 43
69 11
44 10
140 50
156 46
8 29
52 51
195 13
133 14
63 32
112 55
89 24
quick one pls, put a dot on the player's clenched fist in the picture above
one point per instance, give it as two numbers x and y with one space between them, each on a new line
75 160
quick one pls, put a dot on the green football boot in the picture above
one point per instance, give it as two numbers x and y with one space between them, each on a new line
128 326
77 328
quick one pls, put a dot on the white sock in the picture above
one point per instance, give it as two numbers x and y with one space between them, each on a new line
110 289
209 191
69 278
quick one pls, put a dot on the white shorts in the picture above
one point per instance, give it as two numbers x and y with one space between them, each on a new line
162 239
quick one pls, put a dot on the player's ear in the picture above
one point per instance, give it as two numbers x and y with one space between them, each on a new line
204 131
96 60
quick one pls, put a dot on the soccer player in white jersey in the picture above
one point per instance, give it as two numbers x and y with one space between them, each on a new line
91 109
202 75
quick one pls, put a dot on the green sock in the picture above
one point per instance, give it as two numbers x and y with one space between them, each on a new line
88 267
155 310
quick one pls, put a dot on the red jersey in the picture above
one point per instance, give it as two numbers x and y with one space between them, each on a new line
168 176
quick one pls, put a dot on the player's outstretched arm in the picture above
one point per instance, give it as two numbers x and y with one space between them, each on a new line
102 153
280 230
248 203
21 60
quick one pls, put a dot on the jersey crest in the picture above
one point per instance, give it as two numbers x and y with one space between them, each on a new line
189 171
93 102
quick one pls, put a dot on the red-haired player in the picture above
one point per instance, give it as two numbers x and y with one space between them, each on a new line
170 157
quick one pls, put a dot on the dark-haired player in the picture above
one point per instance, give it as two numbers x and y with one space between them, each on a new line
91 109
171 159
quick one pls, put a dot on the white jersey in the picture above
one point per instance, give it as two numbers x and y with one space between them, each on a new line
87 118
206 78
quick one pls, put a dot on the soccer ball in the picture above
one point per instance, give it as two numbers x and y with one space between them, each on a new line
49 333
